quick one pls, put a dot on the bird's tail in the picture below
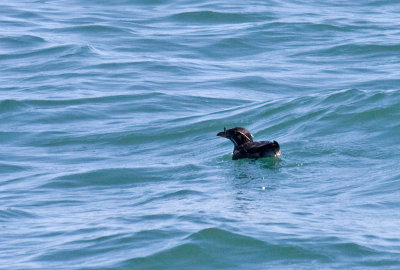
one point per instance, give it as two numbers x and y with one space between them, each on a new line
277 145
277 149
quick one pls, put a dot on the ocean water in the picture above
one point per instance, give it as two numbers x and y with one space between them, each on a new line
109 112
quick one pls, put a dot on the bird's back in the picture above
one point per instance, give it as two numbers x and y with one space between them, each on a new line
257 150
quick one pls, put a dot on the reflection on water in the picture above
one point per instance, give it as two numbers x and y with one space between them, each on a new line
251 180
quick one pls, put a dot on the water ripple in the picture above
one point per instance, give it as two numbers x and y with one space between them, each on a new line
108 119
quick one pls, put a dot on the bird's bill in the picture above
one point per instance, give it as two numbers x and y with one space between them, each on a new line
221 134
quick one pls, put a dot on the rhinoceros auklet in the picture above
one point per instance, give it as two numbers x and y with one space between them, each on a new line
246 148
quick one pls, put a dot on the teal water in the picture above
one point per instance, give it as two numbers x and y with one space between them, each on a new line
109 157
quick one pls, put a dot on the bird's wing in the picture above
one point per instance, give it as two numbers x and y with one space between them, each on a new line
262 146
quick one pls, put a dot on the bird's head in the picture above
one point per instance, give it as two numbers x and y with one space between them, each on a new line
237 135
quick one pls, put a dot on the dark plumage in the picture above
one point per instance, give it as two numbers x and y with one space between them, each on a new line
245 147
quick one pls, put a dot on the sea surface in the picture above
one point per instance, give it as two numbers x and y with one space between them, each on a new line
109 112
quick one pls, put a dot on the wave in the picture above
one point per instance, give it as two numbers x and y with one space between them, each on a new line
93 29
104 177
9 214
165 196
58 51
182 117
218 248
22 41
122 176
214 17
358 50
